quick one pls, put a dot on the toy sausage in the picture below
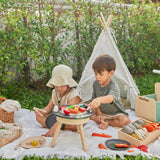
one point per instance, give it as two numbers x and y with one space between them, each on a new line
74 111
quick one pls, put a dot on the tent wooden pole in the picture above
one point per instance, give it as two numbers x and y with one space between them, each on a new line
102 18
103 22
104 27
109 20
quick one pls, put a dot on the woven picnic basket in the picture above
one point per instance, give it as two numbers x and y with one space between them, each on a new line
4 115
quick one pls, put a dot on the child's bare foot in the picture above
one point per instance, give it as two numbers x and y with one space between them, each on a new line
70 127
103 125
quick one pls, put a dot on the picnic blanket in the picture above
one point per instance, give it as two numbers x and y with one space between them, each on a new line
68 144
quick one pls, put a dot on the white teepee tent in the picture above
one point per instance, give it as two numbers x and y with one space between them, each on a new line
106 45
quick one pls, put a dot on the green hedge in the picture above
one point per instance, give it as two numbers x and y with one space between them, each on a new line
37 35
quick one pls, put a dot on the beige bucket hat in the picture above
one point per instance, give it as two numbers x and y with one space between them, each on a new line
62 75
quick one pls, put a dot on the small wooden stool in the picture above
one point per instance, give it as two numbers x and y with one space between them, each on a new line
78 122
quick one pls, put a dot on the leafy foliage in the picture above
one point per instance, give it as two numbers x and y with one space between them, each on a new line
36 36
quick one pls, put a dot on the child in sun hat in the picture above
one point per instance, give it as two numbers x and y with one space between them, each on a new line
106 100
64 93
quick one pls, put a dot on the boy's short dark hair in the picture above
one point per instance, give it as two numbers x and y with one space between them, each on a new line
104 62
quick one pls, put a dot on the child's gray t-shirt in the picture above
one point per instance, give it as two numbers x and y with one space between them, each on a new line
111 89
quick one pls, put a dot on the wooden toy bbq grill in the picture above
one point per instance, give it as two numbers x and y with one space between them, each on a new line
77 120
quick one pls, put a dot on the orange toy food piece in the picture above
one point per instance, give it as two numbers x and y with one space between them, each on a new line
101 146
105 135
130 151
149 128
121 145
132 146
135 135
155 125
96 134
74 111
101 135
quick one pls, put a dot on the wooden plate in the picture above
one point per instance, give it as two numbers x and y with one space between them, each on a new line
27 143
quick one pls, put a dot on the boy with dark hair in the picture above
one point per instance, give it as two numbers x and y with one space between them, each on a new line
106 101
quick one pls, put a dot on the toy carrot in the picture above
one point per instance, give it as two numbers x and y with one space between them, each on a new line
130 151
105 135
120 145
101 146
101 135
132 146
96 134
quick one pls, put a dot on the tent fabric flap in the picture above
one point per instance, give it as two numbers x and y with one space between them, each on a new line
106 45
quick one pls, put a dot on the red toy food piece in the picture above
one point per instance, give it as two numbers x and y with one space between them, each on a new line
61 108
101 146
149 128
66 111
74 111
82 109
143 148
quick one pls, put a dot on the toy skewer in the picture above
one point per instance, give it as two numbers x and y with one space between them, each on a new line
18 145
88 108
37 111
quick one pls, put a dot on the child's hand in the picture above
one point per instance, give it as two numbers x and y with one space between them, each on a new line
100 118
40 112
95 103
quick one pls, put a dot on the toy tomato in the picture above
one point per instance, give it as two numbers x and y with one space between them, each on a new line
61 107
82 109
66 111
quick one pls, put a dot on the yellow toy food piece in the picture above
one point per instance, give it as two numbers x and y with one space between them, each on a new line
34 143
135 135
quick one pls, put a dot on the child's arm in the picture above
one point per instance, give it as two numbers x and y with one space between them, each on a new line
95 103
75 100
49 107
98 111
99 115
